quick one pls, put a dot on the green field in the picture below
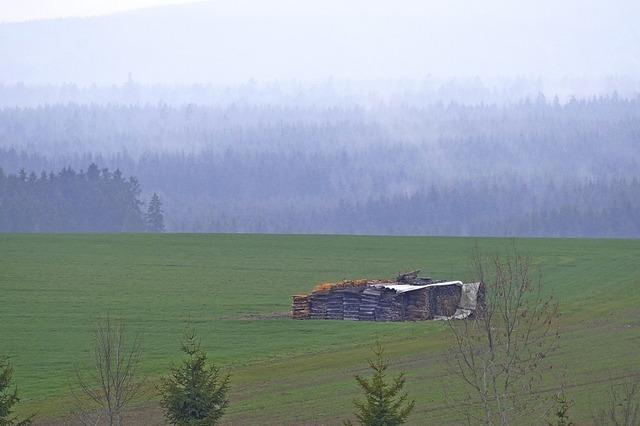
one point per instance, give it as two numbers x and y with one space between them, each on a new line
236 288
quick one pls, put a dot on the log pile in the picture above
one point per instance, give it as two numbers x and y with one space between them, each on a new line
416 305
429 303
300 308
412 278
389 307
446 300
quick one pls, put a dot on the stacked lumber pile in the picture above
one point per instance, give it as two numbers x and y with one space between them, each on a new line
351 303
334 304
383 300
389 307
318 303
343 300
300 308
368 303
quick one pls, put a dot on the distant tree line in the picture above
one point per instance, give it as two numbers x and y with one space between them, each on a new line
95 200
330 92
535 167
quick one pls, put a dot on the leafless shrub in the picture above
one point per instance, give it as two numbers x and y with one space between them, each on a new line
101 395
501 353
623 407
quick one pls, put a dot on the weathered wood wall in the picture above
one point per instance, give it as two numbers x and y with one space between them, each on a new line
370 303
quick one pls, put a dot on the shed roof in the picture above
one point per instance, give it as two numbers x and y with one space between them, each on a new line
403 288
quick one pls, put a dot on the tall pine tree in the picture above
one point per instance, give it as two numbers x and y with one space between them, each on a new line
155 216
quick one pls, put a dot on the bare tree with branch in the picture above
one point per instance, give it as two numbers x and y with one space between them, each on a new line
501 353
623 406
102 395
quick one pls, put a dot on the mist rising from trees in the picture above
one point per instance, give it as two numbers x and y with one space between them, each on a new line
535 166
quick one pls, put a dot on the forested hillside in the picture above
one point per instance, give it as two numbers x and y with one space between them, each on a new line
531 167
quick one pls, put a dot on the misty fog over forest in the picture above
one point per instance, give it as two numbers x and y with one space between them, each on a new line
535 166
414 119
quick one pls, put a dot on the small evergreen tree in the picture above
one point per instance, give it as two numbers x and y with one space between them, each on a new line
384 404
155 218
8 397
195 393
560 413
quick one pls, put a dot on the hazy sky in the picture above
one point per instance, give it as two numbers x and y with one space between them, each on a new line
231 41
24 10
574 10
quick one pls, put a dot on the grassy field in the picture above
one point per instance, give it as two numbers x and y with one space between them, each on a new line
236 288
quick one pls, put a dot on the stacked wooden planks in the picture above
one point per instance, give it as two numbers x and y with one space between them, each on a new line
379 300
318 302
334 304
368 303
351 303
300 308
387 309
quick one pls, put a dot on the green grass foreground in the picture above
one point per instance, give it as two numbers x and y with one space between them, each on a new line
236 290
